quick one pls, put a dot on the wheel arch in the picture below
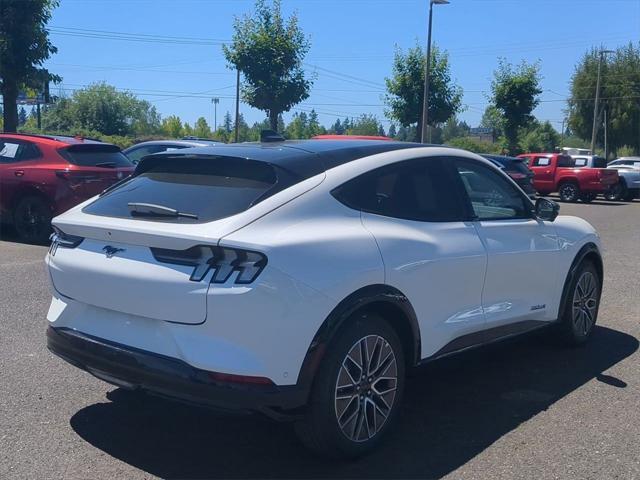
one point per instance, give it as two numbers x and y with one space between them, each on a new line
588 252
386 300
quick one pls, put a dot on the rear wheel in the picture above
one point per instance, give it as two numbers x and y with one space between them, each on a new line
32 220
355 397
615 193
569 192
582 304
629 196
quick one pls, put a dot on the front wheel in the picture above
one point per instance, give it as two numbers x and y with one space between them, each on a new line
569 192
582 304
355 397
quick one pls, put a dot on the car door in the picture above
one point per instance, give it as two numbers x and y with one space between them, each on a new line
544 173
430 253
13 154
521 279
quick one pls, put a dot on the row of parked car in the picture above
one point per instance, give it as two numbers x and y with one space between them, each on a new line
44 175
573 177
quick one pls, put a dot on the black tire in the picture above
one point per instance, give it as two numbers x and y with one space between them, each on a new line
32 220
616 192
588 197
320 429
569 192
579 315
629 196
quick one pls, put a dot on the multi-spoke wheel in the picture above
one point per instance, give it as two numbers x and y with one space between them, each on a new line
366 388
581 309
356 391
569 192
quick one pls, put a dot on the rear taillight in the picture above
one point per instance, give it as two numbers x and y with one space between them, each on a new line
60 239
223 261
517 175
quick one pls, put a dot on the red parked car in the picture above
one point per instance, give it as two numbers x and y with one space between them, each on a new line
556 172
42 176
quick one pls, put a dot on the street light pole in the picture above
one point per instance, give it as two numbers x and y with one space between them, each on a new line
594 131
424 135
215 102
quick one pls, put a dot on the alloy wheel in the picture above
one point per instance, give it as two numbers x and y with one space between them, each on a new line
569 193
585 303
366 388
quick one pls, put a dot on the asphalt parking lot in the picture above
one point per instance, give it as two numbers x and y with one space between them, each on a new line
526 409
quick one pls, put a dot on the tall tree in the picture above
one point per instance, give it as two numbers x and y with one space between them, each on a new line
24 46
201 128
269 50
392 131
515 94
541 138
619 93
365 124
227 123
172 126
406 88
22 116
492 118
102 108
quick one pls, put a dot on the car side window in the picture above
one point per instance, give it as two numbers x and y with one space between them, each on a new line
541 161
11 152
419 190
492 197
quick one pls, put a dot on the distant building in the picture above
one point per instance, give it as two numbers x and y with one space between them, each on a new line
482 134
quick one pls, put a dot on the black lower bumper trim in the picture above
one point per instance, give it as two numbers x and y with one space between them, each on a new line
132 368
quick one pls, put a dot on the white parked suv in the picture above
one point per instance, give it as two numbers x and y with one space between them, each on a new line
303 279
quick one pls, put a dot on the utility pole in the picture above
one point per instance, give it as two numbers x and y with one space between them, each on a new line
562 133
215 102
594 131
605 135
237 133
424 136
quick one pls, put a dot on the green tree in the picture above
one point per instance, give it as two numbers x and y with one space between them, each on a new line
620 94
365 124
201 128
515 94
406 88
187 130
102 108
22 116
297 128
172 126
473 145
541 138
313 126
227 123
269 52
492 118
24 46
454 128
392 131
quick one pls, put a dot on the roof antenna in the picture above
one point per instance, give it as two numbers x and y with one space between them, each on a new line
269 136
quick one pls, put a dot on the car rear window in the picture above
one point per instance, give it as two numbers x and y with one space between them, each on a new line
208 188
95 155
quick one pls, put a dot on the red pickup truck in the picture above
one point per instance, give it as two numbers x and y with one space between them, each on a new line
556 172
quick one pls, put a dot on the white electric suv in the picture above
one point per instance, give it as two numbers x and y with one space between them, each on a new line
303 279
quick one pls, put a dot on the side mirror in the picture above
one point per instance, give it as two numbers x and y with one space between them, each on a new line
546 209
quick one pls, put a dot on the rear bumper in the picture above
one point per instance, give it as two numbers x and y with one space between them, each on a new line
132 368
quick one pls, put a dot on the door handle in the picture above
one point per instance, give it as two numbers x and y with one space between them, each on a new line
19 173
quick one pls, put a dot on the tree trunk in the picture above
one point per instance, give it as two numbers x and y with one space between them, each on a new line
273 120
418 137
10 108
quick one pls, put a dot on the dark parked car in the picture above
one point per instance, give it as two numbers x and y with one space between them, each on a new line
43 176
517 169
136 152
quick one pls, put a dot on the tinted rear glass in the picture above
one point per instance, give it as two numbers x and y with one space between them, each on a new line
518 165
92 155
210 188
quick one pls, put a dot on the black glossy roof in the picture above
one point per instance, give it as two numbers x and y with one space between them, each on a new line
302 158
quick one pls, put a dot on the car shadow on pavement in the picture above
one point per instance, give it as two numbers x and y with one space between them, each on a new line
453 410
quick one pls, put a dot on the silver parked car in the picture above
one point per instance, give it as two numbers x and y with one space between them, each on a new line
629 172
136 152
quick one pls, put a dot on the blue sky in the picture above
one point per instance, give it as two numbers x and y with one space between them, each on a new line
353 43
